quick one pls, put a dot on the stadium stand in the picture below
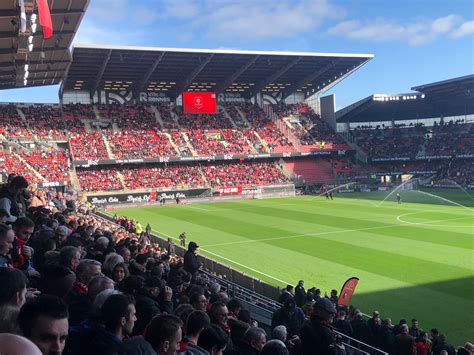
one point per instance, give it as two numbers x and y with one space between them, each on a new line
88 145
99 180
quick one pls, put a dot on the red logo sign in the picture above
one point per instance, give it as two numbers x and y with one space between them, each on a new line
199 102
236 190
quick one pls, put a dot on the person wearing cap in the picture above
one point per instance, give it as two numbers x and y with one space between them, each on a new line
191 263
292 317
152 298
317 336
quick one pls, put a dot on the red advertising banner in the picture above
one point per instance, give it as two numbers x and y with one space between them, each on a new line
237 190
347 291
153 196
199 102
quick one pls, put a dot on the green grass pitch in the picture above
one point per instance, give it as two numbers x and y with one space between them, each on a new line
413 259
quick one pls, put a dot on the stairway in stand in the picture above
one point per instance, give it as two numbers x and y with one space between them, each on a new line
311 170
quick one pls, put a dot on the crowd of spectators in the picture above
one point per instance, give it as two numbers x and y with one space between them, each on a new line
53 165
88 145
325 314
138 143
307 125
11 124
451 139
390 142
47 122
74 283
266 129
218 142
129 116
406 141
99 179
460 172
243 174
170 176
136 131
12 163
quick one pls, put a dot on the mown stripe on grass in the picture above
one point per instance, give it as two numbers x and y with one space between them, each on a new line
421 232
396 266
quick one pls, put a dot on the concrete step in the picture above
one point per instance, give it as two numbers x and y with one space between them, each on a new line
38 175
108 147
158 117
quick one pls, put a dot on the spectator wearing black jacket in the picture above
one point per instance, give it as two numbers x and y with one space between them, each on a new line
385 336
117 319
362 330
152 298
191 263
316 335
442 344
300 294
343 325
290 316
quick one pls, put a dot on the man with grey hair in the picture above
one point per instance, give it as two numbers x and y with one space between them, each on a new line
78 300
62 233
254 341
88 269
404 343
98 284
280 333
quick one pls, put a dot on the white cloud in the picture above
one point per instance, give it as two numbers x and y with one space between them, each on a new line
255 20
180 9
466 29
415 33
94 33
445 24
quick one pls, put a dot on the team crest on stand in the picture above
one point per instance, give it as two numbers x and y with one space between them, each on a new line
198 102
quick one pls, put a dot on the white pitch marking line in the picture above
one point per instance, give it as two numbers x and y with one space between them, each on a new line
230 260
399 219
325 233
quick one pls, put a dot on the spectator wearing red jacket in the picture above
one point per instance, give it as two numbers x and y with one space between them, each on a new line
423 345
21 253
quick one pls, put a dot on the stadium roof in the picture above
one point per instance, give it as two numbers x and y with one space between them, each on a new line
446 98
173 70
462 86
50 58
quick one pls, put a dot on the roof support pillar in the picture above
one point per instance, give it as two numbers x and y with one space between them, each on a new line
98 78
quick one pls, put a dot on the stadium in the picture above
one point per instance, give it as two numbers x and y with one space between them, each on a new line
200 181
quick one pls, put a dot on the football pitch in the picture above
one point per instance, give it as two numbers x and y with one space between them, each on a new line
414 260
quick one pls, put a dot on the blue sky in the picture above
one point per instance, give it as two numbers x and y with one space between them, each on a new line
414 41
